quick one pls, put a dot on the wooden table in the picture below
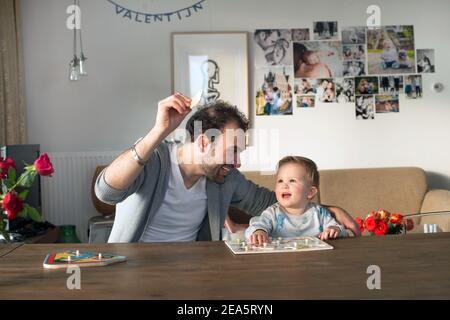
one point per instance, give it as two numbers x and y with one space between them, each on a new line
7 248
51 236
415 266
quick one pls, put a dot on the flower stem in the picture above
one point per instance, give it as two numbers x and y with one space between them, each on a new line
17 183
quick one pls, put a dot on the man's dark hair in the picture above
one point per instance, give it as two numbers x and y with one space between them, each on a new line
216 115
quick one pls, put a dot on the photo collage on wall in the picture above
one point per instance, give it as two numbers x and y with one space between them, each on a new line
273 74
303 68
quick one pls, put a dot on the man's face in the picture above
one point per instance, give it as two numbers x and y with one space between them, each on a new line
224 153
267 39
272 38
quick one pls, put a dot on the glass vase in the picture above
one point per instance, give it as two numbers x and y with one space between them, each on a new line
67 234
4 228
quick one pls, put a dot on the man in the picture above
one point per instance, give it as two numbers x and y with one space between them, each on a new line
170 192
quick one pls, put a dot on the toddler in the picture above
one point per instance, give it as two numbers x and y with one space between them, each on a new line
389 57
295 214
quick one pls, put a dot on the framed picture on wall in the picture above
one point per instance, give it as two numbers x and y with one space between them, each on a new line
213 66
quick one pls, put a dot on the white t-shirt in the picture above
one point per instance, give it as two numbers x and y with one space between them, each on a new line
182 211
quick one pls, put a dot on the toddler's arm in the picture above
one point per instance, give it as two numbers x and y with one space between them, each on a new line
265 222
328 221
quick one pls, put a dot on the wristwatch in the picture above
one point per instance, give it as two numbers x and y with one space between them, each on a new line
135 155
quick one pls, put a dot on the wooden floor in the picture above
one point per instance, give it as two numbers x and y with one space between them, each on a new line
415 266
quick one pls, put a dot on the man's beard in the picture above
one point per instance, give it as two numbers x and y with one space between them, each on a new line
213 173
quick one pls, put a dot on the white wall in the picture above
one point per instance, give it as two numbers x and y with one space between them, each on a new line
129 71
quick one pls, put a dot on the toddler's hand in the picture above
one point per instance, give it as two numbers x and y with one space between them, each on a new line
259 237
329 233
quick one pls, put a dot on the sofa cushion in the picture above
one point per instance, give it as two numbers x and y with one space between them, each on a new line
437 200
360 191
263 179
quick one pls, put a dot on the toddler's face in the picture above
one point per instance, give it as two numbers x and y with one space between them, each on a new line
293 190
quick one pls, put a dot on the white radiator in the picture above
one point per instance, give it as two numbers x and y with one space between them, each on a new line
66 196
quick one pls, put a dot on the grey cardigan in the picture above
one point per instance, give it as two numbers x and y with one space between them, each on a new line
136 205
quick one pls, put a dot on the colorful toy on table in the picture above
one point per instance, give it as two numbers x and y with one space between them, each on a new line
81 259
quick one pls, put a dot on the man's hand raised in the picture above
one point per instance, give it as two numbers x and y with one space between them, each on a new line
171 112
124 170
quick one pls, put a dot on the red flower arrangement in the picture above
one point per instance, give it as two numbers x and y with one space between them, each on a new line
383 222
12 203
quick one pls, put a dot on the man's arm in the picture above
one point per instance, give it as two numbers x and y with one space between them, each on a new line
344 218
250 197
124 170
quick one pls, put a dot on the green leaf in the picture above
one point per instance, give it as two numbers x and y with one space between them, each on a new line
27 178
12 174
8 184
33 214
394 228
23 195
24 212
29 167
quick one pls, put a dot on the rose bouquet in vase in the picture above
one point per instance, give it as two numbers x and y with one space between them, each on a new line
383 222
13 202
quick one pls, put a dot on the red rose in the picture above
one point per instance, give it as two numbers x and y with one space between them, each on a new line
360 222
396 218
371 223
384 214
409 224
376 215
12 204
5 164
43 165
381 228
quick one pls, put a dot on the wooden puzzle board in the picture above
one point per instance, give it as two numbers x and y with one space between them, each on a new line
278 245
